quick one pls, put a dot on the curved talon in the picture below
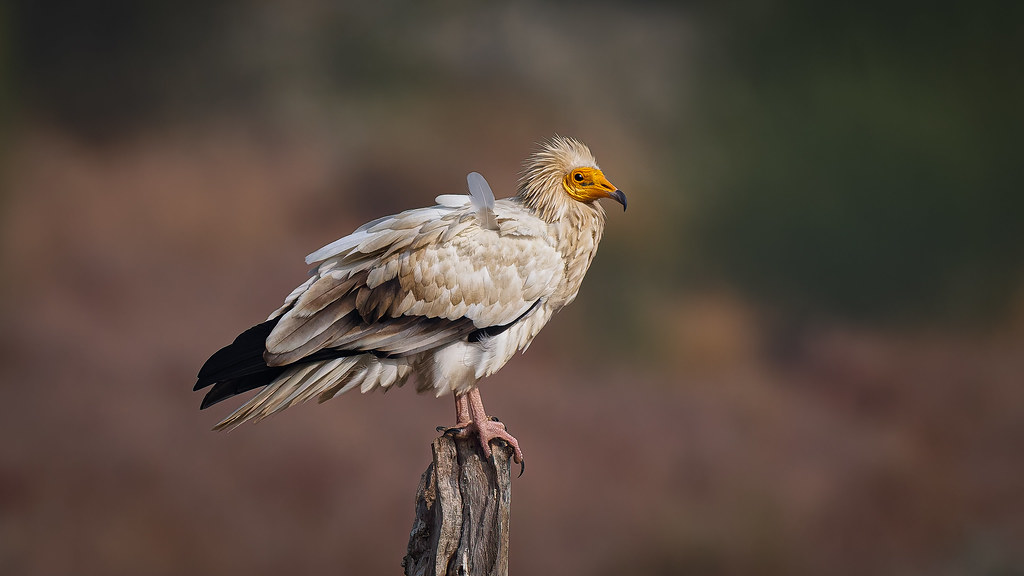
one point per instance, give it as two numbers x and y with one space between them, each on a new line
517 456
460 430
489 430
469 410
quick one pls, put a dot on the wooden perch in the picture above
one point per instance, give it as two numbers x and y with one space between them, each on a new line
462 512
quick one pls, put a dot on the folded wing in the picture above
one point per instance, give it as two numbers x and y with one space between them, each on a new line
416 281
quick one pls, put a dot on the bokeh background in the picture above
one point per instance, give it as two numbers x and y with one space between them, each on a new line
801 350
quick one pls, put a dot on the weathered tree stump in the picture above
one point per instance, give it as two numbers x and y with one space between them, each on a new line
462 512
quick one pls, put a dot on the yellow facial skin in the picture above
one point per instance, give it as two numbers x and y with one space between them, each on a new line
589 184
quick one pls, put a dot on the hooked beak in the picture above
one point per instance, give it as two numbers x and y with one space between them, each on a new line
619 197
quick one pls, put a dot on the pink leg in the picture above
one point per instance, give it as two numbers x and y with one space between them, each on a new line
486 428
463 416
471 417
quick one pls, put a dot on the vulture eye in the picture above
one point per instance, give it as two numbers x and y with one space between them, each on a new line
577 177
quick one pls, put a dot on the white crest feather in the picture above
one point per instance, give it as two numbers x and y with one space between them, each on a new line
483 200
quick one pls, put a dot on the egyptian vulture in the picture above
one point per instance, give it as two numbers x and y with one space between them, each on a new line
447 294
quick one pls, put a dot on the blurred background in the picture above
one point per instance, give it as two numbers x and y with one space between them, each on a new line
801 351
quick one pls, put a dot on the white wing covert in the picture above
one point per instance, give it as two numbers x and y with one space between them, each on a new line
417 280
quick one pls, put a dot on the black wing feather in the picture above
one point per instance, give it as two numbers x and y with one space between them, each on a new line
240 367
242 357
235 386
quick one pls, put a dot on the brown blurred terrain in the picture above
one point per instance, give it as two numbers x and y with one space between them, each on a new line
801 351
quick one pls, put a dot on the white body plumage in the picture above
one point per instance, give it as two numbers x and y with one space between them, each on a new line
447 293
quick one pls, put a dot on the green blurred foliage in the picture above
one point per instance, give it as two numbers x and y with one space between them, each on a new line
864 158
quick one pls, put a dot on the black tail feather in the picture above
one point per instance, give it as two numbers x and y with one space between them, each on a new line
238 367
235 386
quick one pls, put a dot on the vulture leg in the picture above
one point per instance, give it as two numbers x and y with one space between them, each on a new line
472 418
489 429
463 416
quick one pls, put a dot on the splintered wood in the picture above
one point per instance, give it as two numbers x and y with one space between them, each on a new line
462 512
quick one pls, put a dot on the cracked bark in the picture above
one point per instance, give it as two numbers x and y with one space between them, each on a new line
462 511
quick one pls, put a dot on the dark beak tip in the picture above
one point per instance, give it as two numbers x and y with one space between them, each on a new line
619 197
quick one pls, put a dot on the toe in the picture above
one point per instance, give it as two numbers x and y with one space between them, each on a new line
486 445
